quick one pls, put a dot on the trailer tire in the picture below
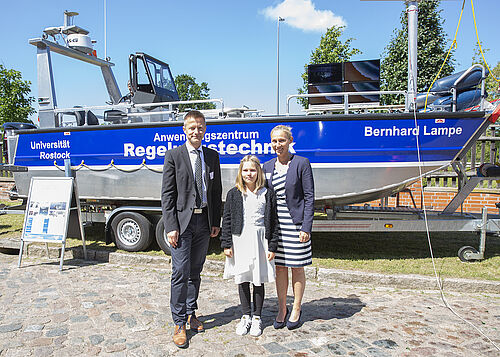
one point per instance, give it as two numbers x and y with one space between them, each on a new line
132 231
465 253
161 237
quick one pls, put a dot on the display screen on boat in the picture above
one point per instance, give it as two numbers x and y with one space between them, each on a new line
325 73
363 87
355 76
360 71
325 88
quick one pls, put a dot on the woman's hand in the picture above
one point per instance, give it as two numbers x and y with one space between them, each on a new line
304 236
228 252
270 256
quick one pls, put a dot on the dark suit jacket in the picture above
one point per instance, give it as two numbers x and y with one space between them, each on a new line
299 190
178 193
232 223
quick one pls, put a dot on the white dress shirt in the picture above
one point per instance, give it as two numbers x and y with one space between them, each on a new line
192 157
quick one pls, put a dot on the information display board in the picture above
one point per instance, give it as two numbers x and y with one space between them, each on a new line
52 207
47 210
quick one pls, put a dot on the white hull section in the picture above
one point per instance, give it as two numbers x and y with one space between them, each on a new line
335 184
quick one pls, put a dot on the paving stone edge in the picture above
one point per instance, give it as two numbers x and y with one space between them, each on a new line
215 268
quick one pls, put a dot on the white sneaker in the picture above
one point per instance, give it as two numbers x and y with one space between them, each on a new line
256 329
244 325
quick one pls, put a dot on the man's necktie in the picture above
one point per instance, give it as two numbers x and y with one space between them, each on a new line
198 179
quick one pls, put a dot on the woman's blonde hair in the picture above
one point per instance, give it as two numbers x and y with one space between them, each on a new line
284 128
259 183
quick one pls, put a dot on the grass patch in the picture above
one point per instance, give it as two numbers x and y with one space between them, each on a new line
11 225
406 253
94 237
388 253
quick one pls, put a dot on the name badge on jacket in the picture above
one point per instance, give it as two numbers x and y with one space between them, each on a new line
211 175
268 175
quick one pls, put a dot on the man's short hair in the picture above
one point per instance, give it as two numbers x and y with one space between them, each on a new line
195 114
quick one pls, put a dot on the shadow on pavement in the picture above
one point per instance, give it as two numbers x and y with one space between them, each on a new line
324 309
68 264
330 308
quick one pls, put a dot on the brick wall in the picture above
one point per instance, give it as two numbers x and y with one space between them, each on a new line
6 184
437 198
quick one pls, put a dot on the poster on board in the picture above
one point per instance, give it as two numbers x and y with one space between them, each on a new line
47 210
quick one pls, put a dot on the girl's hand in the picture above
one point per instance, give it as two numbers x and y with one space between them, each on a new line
228 252
304 236
270 256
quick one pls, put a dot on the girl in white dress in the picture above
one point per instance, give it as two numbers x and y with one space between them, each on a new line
249 237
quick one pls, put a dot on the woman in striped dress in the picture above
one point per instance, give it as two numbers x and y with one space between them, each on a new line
291 178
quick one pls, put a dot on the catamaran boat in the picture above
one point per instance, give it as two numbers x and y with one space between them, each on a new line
116 151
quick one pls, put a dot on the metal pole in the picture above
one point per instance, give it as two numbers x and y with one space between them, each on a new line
412 51
67 168
278 69
105 34
21 250
482 238
483 93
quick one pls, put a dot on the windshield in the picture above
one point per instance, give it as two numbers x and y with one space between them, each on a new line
161 75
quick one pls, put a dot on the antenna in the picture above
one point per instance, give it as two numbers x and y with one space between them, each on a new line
105 34
412 11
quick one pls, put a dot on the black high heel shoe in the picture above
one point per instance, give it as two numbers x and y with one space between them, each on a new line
277 325
292 325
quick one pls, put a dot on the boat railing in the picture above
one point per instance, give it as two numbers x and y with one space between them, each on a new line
131 112
170 105
485 151
346 106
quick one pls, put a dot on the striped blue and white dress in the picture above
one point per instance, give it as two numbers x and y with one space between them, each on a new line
291 251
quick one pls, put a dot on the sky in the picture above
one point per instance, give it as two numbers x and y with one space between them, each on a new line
230 44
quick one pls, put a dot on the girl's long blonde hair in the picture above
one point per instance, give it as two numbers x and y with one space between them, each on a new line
259 183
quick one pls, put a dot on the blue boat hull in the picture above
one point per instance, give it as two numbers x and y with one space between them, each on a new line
355 158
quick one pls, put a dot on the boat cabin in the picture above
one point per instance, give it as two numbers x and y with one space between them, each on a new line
150 80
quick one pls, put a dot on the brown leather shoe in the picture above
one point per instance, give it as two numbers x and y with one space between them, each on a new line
195 324
180 337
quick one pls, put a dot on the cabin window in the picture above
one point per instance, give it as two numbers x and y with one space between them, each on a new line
142 75
161 75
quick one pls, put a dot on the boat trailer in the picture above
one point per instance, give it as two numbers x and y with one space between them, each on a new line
412 219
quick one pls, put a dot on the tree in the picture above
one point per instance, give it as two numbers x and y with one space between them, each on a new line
431 52
15 104
330 49
492 86
188 89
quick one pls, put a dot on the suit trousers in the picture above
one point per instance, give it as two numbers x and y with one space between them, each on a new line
187 263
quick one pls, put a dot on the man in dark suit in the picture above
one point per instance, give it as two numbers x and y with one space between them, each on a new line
191 206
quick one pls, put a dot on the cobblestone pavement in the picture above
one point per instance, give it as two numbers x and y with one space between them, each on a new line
111 309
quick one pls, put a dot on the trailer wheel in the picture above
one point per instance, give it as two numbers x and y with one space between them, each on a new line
161 237
132 231
464 253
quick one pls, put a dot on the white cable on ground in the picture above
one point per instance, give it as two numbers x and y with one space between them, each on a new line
446 304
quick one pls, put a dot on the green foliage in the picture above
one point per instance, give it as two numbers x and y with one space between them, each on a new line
330 49
15 104
431 52
188 89
492 86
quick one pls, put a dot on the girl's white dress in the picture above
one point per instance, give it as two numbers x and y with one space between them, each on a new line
249 261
